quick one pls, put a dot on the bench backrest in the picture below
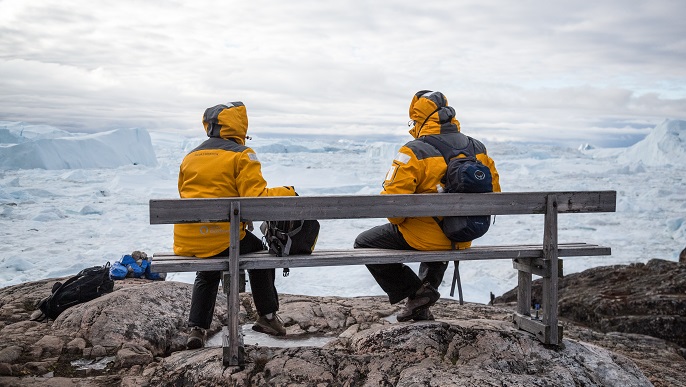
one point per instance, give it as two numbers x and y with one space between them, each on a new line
169 211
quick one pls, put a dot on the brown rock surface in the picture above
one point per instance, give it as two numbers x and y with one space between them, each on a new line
440 353
647 299
134 337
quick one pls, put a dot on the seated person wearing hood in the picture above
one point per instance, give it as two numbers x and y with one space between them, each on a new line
418 168
223 166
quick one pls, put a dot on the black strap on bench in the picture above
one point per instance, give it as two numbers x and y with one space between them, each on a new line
456 280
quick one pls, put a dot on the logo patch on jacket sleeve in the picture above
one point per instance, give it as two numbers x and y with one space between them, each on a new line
391 173
401 158
253 157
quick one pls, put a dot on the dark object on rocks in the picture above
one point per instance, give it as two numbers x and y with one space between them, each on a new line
682 257
87 285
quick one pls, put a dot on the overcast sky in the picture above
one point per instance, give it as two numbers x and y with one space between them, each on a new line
594 71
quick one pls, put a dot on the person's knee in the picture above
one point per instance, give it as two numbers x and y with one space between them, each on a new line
358 242
207 277
362 240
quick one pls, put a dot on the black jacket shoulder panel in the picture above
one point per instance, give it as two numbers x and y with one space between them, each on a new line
457 140
422 150
220 143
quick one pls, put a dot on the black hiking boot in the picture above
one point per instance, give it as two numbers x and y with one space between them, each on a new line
417 306
196 339
273 326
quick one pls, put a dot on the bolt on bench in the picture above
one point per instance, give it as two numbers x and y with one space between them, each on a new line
541 260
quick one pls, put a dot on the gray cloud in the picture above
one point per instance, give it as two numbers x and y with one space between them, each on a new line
527 70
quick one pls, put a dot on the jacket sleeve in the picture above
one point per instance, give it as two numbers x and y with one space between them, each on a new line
402 177
488 161
249 179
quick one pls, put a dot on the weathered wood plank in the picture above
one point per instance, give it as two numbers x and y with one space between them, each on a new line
228 349
542 331
537 266
167 262
235 338
170 211
551 255
569 249
524 293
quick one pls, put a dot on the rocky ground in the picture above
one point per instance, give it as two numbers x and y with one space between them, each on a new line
623 325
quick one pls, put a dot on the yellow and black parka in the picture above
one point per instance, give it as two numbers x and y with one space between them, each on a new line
222 166
419 167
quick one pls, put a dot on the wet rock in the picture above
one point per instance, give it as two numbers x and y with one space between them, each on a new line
95 351
10 354
5 369
106 321
132 354
47 346
76 346
658 359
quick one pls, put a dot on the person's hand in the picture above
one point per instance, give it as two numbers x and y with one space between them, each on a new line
249 226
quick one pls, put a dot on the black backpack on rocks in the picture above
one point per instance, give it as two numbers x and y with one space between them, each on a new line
87 285
463 175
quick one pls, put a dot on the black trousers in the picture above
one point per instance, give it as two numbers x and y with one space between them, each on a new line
397 279
206 287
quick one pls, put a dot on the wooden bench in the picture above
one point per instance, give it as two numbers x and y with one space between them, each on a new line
541 260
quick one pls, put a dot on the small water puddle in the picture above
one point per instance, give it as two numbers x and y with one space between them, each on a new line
92 364
251 337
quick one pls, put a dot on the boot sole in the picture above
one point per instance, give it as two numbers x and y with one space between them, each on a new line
194 344
269 331
416 311
415 315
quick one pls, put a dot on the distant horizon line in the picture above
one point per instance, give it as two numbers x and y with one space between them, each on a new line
622 142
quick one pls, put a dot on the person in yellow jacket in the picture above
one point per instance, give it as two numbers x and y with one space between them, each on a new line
418 168
223 166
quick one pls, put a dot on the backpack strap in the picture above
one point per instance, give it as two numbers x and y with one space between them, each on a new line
448 151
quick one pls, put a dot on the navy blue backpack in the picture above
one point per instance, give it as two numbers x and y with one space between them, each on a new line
464 175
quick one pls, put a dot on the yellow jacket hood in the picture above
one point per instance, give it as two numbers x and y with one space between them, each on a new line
431 114
228 121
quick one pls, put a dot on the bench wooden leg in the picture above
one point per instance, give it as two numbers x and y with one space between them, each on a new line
233 353
550 255
546 329
232 343
524 292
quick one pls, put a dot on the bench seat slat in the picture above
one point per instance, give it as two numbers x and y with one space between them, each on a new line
168 262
